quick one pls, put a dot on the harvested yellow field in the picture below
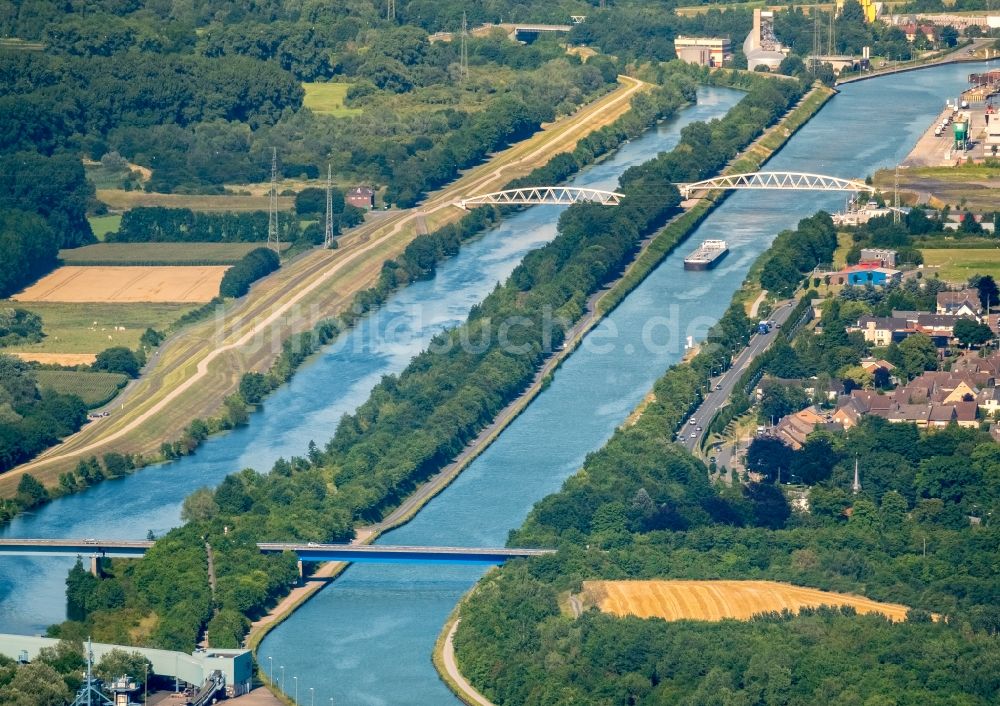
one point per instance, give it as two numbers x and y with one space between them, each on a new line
718 600
57 358
126 285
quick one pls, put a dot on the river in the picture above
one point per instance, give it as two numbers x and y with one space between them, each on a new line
368 638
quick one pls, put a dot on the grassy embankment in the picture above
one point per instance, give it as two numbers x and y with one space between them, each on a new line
196 369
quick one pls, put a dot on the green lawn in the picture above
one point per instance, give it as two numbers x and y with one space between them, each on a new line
328 99
102 225
95 389
159 253
86 328
957 265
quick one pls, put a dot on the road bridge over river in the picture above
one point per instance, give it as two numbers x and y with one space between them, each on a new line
309 551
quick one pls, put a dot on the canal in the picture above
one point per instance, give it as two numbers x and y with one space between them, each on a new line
334 383
368 638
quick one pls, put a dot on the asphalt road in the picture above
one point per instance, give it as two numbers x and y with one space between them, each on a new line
722 387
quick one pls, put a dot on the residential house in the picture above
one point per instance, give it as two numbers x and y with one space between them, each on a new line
881 330
963 303
360 196
793 429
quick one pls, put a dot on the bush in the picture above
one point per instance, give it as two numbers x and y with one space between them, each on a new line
254 265
118 359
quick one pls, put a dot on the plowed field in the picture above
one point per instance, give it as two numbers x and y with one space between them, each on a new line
716 600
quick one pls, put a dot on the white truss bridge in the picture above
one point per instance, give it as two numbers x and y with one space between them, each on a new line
537 195
792 181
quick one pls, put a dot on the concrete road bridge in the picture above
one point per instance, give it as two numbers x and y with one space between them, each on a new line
542 195
788 181
306 551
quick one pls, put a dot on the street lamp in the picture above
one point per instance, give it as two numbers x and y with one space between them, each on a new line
312 697
282 667
296 679
270 669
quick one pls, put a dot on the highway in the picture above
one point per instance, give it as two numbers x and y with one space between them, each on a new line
693 433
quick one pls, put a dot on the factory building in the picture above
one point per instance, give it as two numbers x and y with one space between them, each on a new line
704 51
761 46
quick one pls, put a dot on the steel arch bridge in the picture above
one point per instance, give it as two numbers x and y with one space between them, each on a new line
792 181
537 195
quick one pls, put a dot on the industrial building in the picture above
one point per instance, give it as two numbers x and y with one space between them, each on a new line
704 51
236 666
761 46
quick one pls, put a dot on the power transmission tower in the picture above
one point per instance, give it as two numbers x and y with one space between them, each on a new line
272 215
895 198
328 234
464 56
390 10
816 45
830 43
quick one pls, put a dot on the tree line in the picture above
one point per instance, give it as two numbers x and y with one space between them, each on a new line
156 224
416 422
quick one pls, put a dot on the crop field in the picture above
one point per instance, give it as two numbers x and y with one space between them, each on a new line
75 332
328 99
124 200
126 284
175 254
95 389
54 358
957 265
718 600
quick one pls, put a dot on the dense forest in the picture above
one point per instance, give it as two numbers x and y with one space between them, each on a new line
644 508
416 422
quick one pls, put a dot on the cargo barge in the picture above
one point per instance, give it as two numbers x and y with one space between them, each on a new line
706 256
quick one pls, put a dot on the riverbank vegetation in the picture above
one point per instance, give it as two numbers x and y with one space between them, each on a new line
642 507
414 423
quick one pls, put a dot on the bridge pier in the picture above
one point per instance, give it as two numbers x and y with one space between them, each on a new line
95 566
301 572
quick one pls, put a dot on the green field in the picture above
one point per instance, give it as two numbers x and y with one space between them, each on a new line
71 328
95 389
328 99
957 265
159 253
102 225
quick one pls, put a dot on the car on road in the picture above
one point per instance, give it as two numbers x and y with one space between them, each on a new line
312 544
90 540
697 428
718 387
694 435
693 422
